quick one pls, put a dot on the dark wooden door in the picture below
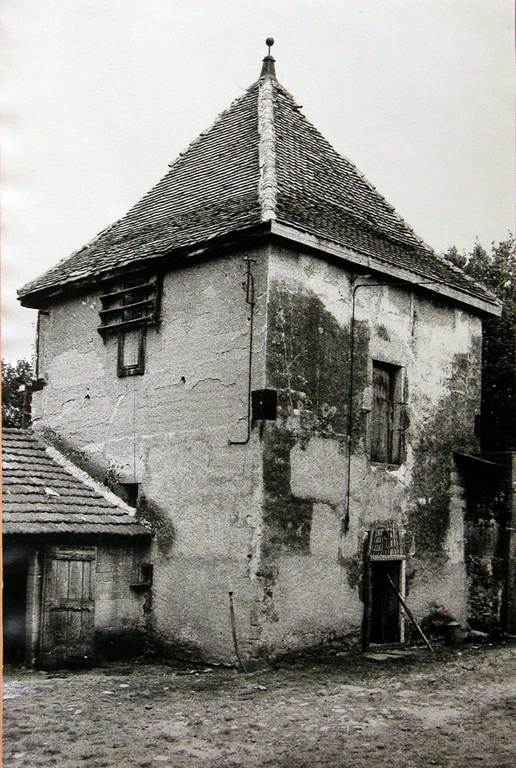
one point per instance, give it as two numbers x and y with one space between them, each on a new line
385 609
68 615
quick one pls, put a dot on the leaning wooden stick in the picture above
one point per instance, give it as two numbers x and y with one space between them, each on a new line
233 629
409 614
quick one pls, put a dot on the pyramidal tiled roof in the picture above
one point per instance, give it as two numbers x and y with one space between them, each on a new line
42 494
261 167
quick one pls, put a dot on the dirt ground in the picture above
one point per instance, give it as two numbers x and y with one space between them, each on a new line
410 709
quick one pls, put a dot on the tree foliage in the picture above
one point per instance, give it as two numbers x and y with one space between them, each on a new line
14 398
497 271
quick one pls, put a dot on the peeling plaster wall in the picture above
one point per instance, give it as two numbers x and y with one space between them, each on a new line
269 517
168 430
312 568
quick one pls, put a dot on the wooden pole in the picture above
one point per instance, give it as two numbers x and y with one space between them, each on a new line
409 614
233 630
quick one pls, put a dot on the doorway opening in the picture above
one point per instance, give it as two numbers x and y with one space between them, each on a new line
384 570
385 607
15 569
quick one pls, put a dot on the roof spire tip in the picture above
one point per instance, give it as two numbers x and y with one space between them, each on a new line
268 69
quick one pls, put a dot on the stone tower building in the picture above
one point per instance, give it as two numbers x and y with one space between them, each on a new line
264 358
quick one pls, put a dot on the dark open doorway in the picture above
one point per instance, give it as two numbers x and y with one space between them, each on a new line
15 569
385 607
383 561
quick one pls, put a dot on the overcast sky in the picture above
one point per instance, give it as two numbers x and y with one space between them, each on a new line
100 95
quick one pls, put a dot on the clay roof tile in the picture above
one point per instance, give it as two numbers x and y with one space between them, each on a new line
261 161
41 496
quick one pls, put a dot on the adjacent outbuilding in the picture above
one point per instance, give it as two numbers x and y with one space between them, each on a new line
75 561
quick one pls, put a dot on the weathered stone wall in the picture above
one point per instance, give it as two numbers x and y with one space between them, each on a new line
121 611
168 430
490 545
312 556
270 517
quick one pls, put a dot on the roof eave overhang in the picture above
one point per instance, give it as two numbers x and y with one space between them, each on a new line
40 298
43 529
376 264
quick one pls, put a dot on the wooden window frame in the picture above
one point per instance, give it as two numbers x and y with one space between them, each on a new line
135 369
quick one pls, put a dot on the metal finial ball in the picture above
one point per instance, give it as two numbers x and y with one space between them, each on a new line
269 41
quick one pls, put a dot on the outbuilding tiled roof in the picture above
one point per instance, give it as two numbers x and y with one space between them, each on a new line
40 496
261 162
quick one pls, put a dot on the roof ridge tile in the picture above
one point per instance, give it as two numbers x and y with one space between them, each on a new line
267 189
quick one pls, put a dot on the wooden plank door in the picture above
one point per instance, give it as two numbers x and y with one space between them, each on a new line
68 615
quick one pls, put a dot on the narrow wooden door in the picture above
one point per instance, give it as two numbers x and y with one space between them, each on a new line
68 615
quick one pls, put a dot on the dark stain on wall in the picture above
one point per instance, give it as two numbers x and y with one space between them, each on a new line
159 521
288 519
451 427
361 379
308 364
354 567
383 333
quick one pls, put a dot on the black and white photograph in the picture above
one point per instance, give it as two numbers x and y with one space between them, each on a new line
258 384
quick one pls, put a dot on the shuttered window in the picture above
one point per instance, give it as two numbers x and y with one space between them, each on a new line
388 414
128 309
